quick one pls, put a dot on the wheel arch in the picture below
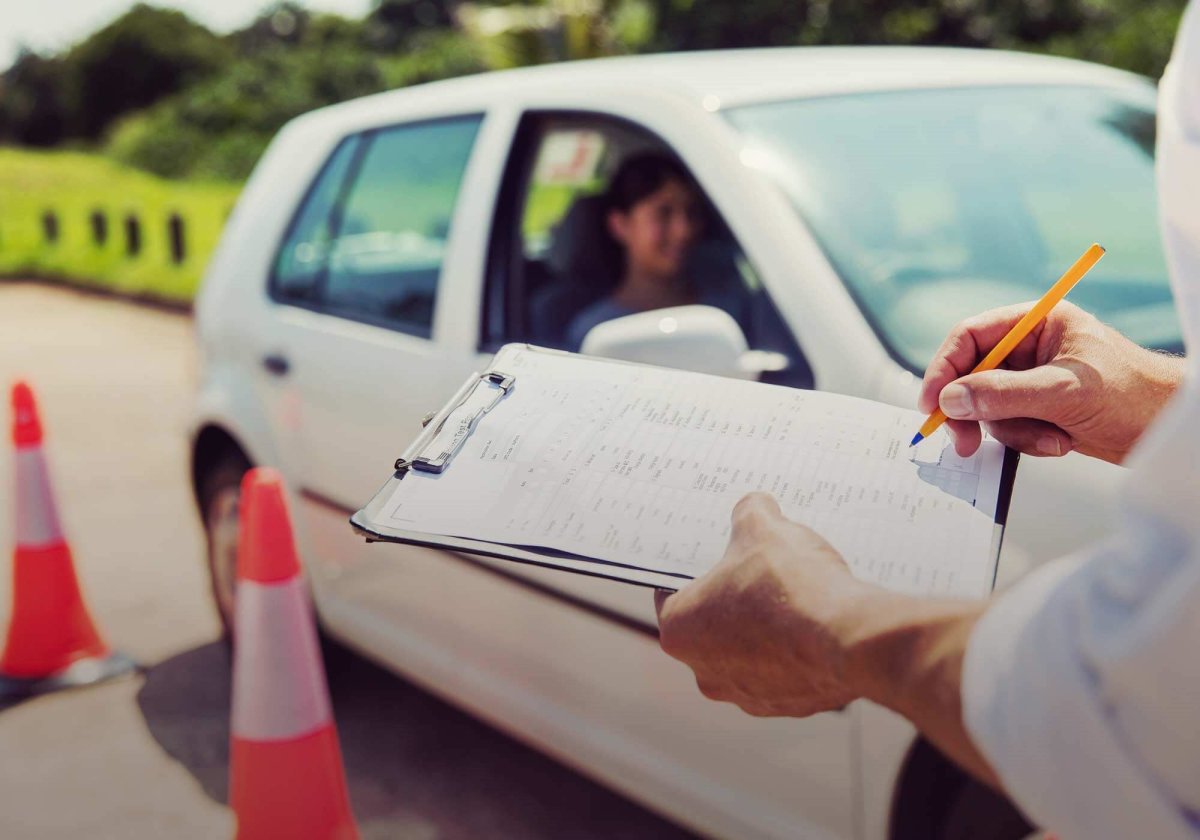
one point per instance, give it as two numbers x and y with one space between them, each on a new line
210 442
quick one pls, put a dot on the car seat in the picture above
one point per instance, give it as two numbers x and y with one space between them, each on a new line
585 264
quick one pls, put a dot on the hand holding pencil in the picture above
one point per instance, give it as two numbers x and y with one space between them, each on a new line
1022 328
1070 383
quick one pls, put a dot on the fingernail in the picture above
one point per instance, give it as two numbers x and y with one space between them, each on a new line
955 400
1049 445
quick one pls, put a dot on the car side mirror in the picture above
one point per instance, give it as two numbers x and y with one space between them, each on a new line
700 338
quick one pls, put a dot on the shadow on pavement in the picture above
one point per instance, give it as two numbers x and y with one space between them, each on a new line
5 705
417 767
185 701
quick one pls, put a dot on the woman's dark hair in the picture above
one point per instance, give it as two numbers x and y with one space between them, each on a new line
643 175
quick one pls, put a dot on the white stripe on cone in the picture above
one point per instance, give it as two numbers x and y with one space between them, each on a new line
37 516
279 690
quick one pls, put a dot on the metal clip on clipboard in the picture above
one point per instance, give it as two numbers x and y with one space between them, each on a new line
459 423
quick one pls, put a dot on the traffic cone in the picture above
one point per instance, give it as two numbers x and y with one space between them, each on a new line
285 776
52 642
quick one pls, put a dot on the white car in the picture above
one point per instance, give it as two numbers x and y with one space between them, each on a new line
862 199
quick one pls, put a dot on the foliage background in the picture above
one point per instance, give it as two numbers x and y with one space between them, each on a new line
156 94
158 91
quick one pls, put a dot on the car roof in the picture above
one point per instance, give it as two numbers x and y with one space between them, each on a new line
728 78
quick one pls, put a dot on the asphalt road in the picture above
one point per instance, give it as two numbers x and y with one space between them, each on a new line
147 756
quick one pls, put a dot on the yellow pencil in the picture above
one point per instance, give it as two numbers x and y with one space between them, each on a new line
1022 328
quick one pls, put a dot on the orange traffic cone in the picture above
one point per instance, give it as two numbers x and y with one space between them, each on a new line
52 642
285 776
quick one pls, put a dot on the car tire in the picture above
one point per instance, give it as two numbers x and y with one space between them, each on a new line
936 800
219 492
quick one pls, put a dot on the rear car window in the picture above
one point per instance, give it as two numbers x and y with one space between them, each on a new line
305 252
371 247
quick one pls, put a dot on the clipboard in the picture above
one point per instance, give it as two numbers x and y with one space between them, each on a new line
444 434
433 451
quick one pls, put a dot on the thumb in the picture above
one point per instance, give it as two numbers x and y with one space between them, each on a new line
753 509
752 516
1006 394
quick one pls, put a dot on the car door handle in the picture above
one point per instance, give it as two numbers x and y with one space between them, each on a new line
276 364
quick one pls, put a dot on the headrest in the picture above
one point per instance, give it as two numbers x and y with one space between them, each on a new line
580 247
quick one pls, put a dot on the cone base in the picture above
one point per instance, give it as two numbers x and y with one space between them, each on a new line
82 672
293 789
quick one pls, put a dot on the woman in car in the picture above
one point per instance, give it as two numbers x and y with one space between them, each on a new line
654 213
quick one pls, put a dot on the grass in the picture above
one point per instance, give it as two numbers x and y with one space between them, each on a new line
73 186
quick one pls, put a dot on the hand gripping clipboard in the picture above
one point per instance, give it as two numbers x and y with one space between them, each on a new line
433 451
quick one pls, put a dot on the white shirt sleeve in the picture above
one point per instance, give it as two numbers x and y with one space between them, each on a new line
1081 688
1081 685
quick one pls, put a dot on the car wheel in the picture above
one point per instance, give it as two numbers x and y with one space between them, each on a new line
936 800
220 491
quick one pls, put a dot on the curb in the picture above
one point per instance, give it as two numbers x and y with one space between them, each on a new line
168 305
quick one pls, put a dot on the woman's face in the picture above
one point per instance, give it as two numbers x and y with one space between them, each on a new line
659 231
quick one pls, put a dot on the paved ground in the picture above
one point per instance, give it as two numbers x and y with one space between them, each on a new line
146 757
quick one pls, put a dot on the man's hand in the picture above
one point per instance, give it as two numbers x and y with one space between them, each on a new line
762 628
1073 383
780 627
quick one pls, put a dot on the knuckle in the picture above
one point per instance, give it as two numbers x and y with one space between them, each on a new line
1065 309
671 640
1000 393
990 395
966 326
709 689
957 344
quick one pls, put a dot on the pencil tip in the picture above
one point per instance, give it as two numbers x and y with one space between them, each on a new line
917 438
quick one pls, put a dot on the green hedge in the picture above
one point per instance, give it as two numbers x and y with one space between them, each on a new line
71 187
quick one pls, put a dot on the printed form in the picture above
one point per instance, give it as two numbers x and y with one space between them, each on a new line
641 467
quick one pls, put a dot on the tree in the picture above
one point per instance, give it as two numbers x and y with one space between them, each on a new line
516 34
693 25
162 92
1134 34
282 24
33 104
392 24
143 56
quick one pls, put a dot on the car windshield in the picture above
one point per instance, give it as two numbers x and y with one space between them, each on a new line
937 204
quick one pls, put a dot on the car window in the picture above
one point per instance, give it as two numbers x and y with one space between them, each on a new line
937 204
554 260
390 231
302 259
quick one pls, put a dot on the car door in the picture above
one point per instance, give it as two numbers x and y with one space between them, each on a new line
548 241
359 281
560 161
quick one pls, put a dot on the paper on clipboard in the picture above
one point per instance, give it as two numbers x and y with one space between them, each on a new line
638 468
